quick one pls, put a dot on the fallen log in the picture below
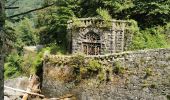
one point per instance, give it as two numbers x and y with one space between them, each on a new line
19 90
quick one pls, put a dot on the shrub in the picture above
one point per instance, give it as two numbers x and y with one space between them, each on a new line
104 14
101 75
77 61
150 38
94 65
118 69
12 66
56 49
37 64
32 62
83 68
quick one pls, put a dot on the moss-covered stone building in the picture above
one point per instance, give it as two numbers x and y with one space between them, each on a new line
94 36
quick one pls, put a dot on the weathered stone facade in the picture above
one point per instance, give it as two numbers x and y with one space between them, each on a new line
93 37
146 77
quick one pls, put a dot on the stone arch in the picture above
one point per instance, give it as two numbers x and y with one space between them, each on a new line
91 44
87 30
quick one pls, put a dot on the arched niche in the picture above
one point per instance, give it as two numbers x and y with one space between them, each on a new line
91 44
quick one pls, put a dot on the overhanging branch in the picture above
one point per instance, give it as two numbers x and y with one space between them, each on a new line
16 15
11 7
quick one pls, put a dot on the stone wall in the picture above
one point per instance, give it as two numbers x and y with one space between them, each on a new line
145 76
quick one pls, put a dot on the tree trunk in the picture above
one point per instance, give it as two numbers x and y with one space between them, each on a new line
2 49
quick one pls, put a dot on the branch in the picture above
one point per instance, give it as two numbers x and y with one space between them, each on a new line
11 7
19 90
16 15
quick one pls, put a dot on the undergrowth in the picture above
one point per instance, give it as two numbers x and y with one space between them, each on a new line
84 68
12 67
151 38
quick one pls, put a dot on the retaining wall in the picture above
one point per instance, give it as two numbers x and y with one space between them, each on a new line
146 77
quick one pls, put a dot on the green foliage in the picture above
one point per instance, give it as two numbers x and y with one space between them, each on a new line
24 5
101 75
83 68
56 49
32 62
12 67
27 63
148 72
118 69
21 33
37 64
77 61
52 22
150 38
94 65
150 11
104 14
76 23
26 32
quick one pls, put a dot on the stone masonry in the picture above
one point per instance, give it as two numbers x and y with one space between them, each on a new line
93 37
146 77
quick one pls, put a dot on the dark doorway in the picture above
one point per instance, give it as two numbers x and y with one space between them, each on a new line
91 48
92 45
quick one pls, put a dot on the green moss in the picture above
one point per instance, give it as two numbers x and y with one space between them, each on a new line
101 76
118 69
148 72
77 61
84 68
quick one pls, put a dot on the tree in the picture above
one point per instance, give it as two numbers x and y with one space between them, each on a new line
2 23
52 22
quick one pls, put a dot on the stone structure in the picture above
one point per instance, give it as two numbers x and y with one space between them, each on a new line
146 77
93 36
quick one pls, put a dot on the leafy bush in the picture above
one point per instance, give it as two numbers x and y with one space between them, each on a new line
26 32
12 66
118 69
104 14
37 64
94 65
150 38
83 68
77 61
101 75
56 49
